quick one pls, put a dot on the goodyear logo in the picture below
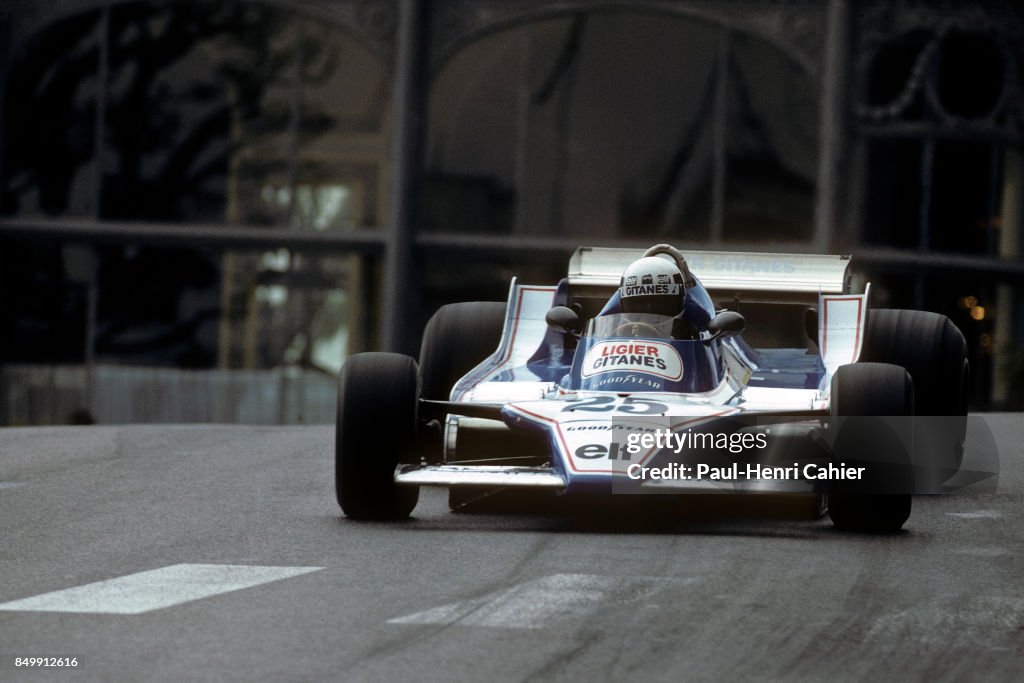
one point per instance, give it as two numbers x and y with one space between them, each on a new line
648 357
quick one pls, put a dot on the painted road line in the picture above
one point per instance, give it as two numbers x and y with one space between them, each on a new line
541 602
973 623
977 514
155 589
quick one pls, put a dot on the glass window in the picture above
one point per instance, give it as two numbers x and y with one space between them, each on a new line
604 124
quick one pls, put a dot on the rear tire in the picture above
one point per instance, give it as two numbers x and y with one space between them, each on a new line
861 394
457 338
378 397
934 352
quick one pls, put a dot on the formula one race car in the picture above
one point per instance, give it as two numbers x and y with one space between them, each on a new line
630 376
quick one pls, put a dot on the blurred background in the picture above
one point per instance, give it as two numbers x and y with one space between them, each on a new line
205 205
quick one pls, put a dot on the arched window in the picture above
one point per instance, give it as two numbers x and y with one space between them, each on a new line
190 113
612 124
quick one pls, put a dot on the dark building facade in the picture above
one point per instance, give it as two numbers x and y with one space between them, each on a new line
237 185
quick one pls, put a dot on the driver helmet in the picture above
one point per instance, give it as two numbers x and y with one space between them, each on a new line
652 285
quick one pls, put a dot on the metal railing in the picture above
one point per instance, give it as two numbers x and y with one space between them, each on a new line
60 394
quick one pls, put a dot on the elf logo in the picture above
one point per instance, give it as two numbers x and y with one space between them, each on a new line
597 451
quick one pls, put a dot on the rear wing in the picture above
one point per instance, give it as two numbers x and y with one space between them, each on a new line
727 275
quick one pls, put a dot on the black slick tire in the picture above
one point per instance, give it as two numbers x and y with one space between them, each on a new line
457 338
931 348
863 395
378 395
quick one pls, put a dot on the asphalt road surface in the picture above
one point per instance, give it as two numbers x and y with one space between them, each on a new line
175 553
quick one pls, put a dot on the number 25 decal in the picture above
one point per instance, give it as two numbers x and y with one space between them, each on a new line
604 404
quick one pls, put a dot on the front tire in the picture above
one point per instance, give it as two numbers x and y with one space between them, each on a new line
378 396
862 394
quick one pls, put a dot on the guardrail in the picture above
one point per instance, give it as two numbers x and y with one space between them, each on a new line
61 394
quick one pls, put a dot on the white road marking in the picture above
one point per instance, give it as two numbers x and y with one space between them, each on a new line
541 602
977 514
9 484
154 589
982 551
953 622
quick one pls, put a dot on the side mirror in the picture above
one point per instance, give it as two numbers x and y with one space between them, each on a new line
726 324
811 324
564 318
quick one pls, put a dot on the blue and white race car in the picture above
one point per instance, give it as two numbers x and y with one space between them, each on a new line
658 371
